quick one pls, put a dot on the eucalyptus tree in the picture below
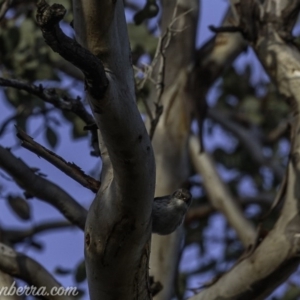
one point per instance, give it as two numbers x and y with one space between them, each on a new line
148 167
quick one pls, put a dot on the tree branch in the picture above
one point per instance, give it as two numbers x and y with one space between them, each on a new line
27 269
70 169
123 209
41 188
48 18
219 195
50 96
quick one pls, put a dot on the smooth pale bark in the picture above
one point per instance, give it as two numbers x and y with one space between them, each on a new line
170 137
170 145
219 194
118 228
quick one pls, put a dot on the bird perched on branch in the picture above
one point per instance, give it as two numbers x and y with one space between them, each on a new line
168 211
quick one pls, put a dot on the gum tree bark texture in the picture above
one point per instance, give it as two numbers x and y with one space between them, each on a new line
118 227
179 18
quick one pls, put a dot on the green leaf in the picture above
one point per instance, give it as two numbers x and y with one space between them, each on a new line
140 37
12 39
80 272
37 245
78 130
51 137
62 271
20 207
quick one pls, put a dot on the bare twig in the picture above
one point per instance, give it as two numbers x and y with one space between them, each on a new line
160 61
68 168
160 56
225 29
18 235
50 96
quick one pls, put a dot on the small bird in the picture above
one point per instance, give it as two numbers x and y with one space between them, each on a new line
168 211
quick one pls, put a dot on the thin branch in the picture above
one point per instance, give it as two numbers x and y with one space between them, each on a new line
219 194
50 96
42 188
18 235
160 61
160 55
23 267
225 29
70 169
